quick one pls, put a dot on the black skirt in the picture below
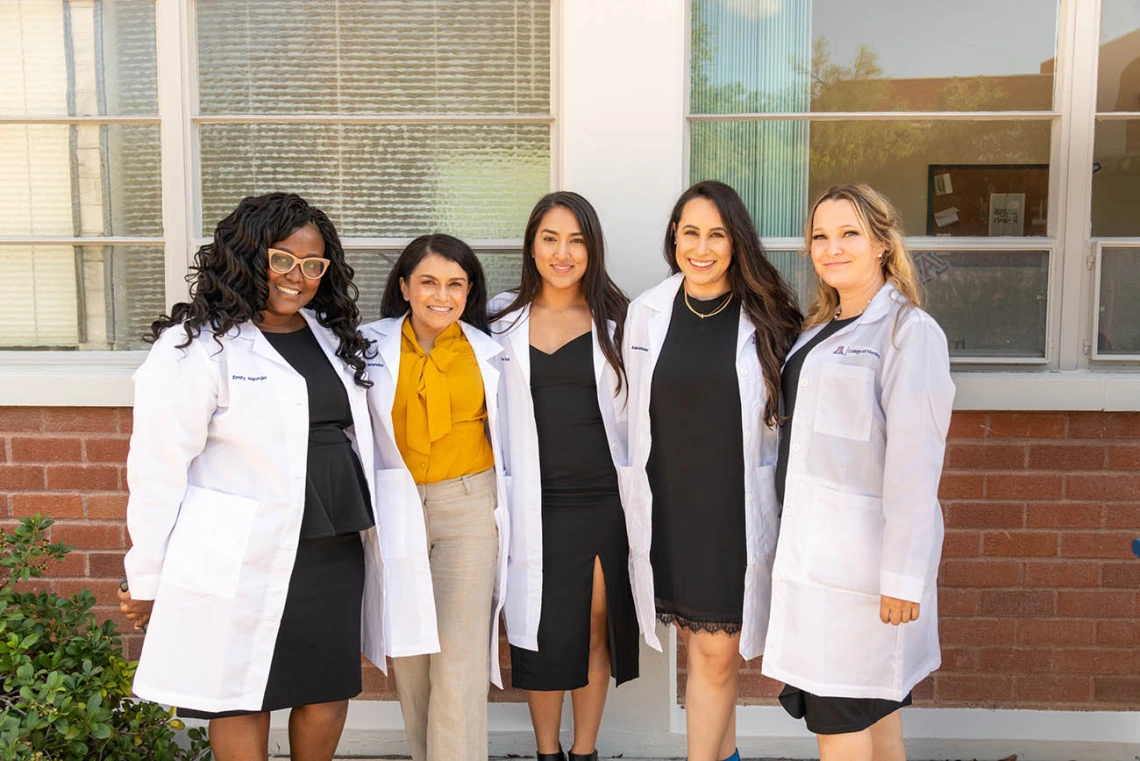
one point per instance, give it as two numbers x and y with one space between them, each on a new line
316 658
837 716
572 536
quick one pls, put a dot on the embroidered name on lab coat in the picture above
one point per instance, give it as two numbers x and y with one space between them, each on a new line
249 377
847 351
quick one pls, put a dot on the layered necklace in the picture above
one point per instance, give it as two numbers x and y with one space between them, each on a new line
706 315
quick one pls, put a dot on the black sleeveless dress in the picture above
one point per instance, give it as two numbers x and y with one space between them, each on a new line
582 518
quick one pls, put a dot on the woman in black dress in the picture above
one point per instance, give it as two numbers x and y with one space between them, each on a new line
250 421
703 352
569 609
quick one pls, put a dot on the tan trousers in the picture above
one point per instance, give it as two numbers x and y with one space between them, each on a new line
443 696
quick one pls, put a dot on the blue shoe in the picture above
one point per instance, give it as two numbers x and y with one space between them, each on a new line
735 756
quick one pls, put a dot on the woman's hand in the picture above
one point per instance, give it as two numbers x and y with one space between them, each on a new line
894 611
135 610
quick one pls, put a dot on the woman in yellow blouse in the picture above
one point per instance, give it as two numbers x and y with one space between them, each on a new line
442 533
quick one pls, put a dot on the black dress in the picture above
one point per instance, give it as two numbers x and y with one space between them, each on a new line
582 518
316 658
696 471
824 715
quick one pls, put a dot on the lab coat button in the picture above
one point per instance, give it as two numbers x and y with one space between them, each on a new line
805 382
744 372
795 447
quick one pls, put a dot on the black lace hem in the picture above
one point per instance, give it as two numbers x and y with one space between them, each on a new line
710 627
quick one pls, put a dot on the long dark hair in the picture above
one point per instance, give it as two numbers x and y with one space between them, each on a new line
763 294
451 248
229 280
603 297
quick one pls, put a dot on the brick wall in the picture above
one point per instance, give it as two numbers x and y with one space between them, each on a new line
1040 594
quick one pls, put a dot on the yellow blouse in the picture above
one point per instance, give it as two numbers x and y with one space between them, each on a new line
439 414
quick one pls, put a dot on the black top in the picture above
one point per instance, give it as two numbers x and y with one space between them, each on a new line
573 450
789 383
336 494
696 469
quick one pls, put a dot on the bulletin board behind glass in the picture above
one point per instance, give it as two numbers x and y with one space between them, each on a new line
987 199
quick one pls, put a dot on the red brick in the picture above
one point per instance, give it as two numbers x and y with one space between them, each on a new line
89 535
985 456
106 449
1108 486
80 419
1062 573
126 419
981 573
756 686
45 449
961 486
1064 515
1055 631
19 477
1104 425
50 504
1125 575
1014 603
106 591
977 631
961 544
958 602
1016 660
1124 457
1094 661
105 564
103 506
21 419
1050 688
1096 544
1067 456
958 659
1118 515
1118 689
924 690
83 477
1027 425
1095 603
1020 544
1118 633
968 425
1023 485
984 514
73 564
980 690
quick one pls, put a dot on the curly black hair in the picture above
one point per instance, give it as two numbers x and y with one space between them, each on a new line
229 280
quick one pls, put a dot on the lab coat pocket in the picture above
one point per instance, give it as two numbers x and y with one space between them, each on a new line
393 503
848 541
846 398
207 546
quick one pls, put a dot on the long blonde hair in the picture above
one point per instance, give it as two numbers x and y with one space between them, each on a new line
880 221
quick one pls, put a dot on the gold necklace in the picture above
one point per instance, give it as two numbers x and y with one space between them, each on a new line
704 315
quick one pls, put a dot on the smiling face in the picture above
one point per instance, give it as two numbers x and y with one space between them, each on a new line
560 253
290 292
704 249
437 292
844 256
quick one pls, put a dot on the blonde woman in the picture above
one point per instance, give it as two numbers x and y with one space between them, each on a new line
866 398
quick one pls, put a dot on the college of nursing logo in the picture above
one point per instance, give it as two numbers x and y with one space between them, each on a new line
841 351
845 351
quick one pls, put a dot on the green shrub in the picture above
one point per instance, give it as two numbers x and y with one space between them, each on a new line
66 693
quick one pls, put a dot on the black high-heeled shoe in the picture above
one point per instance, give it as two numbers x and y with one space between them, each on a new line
559 756
591 756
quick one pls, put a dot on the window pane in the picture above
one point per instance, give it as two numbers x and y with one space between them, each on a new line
798 274
79 297
83 179
1116 178
359 56
1119 301
989 303
82 58
996 172
384 180
1118 78
894 55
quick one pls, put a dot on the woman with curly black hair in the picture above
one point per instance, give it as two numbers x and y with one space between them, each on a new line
254 543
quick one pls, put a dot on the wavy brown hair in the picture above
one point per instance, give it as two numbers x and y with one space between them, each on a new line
754 281
229 280
881 223
605 300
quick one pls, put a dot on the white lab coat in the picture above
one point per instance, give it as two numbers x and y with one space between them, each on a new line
409 611
216 472
646 327
524 481
861 516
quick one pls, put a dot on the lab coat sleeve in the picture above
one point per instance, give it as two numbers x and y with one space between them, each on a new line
175 398
917 397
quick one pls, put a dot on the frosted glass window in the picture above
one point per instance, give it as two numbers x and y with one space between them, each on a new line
1119 301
